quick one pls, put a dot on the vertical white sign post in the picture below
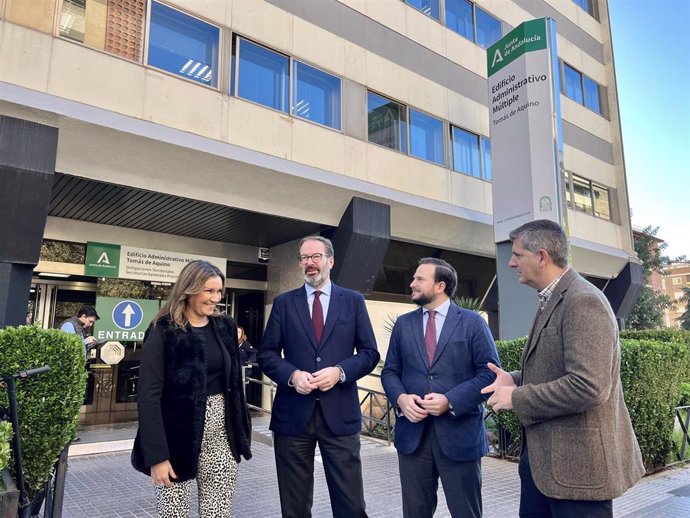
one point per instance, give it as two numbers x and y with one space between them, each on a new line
526 141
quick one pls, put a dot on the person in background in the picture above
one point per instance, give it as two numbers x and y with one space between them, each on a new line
247 351
78 325
193 420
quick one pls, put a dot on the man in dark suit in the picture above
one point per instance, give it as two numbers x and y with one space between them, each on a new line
327 343
579 450
435 367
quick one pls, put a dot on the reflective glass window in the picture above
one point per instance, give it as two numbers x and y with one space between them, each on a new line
426 137
466 152
183 45
582 191
602 206
428 7
459 18
486 159
592 95
387 122
316 95
263 76
488 28
573 83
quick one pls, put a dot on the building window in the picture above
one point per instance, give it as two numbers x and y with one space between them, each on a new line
428 7
602 204
573 84
465 152
263 76
459 18
589 6
183 45
316 95
587 196
387 122
117 28
677 280
486 159
582 89
473 23
488 28
591 90
426 137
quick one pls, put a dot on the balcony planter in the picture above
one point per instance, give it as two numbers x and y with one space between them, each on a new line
9 496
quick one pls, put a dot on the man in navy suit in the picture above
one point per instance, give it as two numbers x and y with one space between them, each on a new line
435 368
327 344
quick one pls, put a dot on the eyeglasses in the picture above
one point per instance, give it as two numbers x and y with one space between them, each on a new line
314 257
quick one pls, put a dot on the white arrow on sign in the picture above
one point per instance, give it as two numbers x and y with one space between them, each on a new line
128 312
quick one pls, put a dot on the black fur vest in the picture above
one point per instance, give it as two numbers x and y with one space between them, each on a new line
183 401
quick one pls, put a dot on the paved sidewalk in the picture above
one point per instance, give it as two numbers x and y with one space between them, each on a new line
105 485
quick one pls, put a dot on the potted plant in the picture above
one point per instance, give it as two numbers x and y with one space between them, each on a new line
48 405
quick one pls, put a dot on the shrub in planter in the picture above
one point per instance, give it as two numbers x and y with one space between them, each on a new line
48 404
510 353
652 374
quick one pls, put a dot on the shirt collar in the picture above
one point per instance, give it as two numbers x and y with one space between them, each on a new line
442 309
545 294
325 289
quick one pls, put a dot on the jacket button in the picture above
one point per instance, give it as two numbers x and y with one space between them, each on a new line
318 358
430 378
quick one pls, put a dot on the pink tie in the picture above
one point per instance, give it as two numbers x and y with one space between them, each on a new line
430 336
317 317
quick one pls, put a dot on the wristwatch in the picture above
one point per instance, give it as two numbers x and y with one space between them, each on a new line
341 379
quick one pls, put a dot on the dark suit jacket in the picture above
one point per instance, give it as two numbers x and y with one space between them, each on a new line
581 444
290 332
458 371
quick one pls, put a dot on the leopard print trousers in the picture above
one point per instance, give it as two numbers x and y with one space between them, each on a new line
217 475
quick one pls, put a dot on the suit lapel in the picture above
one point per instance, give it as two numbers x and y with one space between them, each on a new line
544 315
334 307
302 311
451 322
417 322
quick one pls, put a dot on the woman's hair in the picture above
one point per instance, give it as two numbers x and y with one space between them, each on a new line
190 282
243 337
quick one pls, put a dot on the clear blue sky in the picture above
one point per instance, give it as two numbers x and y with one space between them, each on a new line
651 40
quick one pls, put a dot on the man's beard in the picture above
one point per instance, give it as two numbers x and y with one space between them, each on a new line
318 279
422 300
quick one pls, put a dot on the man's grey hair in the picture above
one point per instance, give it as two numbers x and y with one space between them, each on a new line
546 234
326 242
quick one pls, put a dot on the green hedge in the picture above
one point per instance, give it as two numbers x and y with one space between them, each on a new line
658 335
48 404
652 373
5 438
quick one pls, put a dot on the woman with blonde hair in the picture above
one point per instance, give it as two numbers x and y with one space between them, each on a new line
193 420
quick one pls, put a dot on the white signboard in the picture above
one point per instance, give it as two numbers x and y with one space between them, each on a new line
144 264
525 128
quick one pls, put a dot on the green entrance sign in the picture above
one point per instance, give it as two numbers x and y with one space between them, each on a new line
124 319
102 260
527 37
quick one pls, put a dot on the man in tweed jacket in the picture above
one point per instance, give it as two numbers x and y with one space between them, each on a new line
579 448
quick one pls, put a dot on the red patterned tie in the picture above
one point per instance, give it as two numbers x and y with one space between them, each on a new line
317 317
430 336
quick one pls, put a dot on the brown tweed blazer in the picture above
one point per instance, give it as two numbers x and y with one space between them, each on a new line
569 399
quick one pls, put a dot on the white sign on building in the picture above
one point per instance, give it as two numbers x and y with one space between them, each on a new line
524 110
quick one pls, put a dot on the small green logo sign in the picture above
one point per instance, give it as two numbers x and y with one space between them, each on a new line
102 259
526 37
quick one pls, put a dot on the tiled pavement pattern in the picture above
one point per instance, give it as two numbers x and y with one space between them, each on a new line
104 485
